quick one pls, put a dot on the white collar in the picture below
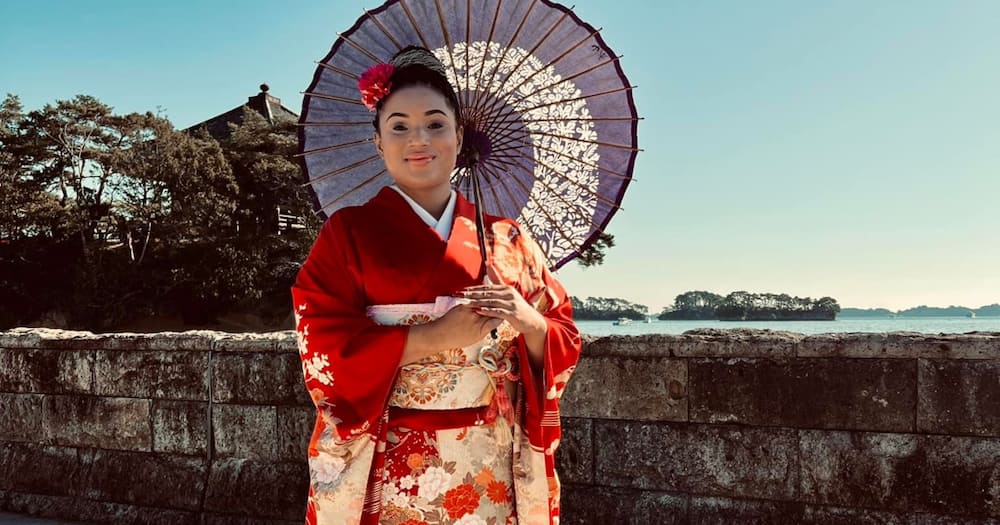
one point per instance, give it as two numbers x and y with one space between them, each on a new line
442 225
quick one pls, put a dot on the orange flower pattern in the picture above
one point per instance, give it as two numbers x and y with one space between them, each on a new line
430 477
461 500
498 492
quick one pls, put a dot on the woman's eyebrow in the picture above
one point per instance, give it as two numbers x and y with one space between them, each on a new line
428 113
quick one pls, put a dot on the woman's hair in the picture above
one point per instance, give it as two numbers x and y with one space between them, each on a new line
417 66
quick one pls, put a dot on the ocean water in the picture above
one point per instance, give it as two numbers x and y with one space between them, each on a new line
928 325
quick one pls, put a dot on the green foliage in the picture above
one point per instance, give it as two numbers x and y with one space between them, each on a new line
108 218
693 305
594 254
607 308
746 306
261 156
26 208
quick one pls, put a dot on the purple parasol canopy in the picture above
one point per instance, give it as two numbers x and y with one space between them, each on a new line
550 122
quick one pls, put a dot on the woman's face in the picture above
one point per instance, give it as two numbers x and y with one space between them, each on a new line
419 139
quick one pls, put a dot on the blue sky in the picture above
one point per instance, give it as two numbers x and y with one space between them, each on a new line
846 148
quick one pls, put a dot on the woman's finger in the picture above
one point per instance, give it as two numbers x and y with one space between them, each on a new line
483 288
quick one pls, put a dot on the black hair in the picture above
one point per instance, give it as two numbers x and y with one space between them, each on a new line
417 66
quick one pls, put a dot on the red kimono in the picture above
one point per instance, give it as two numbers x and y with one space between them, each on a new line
428 442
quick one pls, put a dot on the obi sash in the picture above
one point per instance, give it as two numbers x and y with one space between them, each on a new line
449 389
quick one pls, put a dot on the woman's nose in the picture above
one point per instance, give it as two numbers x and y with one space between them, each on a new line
420 136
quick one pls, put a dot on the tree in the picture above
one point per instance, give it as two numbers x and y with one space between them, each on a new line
693 305
181 187
102 206
263 257
594 254
26 208
77 146
607 308
262 158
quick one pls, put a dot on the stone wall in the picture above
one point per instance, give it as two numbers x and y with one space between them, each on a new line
762 427
708 427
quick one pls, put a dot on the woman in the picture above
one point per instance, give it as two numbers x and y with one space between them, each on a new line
436 380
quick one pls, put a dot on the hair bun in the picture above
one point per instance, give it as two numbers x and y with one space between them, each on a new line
417 56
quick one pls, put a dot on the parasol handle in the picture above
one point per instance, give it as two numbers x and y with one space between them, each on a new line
481 228
477 195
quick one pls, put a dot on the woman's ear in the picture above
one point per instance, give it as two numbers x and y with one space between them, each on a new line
377 139
461 135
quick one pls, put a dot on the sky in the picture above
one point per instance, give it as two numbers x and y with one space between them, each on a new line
842 148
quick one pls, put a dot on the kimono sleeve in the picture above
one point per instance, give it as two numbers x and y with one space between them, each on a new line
543 390
349 362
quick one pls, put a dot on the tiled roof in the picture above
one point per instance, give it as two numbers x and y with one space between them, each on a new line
267 105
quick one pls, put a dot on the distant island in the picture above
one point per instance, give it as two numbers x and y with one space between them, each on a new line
607 309
746 306
699 305
992 310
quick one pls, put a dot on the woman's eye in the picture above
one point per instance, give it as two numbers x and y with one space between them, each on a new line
399 127
436 125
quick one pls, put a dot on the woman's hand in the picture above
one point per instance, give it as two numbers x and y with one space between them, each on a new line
460 327
463 326
504 302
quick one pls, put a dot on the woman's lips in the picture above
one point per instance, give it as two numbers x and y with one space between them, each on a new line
419 159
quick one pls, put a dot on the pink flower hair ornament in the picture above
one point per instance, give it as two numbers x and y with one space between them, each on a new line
374 84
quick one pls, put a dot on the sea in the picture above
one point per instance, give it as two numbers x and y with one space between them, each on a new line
927 325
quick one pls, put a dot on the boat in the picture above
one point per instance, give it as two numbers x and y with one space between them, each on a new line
622 321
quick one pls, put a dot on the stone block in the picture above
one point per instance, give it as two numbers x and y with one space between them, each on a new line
652 345
724 511
584 505
222 519
180 427
190 341
51 338
934 519
959 397
248 342
642 389
77 340
84 510
737 342
20 417
40 506
258 489
710 460
905 472
31 468
295 428
154 480
259 378
901 345
245 431
866 394
19 338
87 421
819 515
117 513
575 455
46 371
288 342
152 374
